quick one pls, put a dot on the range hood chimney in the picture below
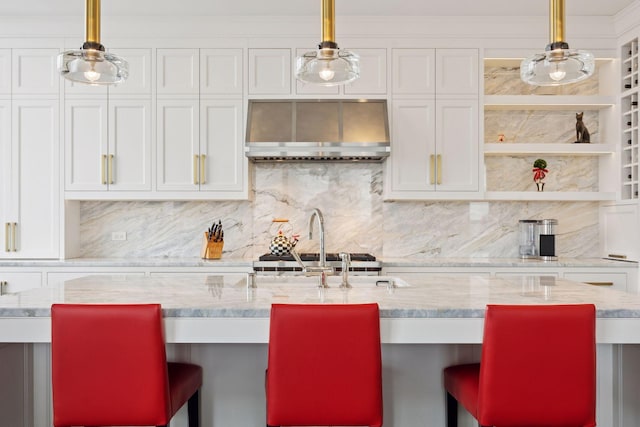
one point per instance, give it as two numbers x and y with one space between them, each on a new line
317 129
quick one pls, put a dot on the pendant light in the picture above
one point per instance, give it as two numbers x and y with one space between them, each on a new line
328 66
558 65
91 64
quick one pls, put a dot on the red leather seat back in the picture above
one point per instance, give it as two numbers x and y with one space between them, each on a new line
108 365
538 366
324 365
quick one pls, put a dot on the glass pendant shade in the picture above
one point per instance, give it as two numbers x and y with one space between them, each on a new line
328 67
557 67
92 67
90 64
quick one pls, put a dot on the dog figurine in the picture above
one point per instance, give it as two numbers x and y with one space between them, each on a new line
582 133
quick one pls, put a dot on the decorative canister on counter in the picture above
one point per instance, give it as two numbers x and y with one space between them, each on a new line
283 240
213 242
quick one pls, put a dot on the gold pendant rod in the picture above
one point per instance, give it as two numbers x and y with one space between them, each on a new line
92 21
556 21
328 25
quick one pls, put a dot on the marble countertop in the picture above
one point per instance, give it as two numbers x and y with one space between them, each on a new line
386 262
227 296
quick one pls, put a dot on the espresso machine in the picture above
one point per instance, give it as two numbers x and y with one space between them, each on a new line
537 239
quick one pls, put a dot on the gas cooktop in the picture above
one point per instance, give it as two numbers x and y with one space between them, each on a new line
312 256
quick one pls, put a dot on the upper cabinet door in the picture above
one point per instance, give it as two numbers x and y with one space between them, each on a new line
5 71
139 80
414 72
35 72
269 71
221 71
178 71
373 73
457 72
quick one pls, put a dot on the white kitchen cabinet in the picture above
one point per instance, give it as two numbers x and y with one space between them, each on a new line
178 72
457 72
373 73
5 71
221 72
31 205
139 81
620 231
435 125
221 146
34 72
435 147
617 281
13 282
413 72
108 144
269 71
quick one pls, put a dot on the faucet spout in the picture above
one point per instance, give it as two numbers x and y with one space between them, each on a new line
316 214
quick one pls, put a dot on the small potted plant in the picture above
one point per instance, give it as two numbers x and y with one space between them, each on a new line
539 172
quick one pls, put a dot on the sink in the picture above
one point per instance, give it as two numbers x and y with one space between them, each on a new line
384 282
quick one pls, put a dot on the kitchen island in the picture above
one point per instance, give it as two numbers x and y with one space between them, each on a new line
426 323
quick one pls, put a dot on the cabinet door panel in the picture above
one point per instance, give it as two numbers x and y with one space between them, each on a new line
6 186
177 144
414 72
373 73
5 71
457 71
18 282
36 132
222 143
86 145
617 281
139 80
457 144
130 145
178 71
35 71
221 71
413 146
269 71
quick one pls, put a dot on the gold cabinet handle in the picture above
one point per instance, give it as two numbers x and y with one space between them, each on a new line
439 169
195 169
102 169
432 171
203 165
6 236
14 237
110 168
600 283
2 287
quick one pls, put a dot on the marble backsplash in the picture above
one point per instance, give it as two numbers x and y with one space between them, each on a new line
357 219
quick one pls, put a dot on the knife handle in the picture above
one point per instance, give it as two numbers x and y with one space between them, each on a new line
110 168
439 169
203 165
432 172
195 169
102 169
6 237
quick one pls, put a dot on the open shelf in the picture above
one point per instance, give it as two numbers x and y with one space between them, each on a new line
501 148
559 196
547 102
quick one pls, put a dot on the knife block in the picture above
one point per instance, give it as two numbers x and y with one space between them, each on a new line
210 249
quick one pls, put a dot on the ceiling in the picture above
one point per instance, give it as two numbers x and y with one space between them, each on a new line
312 7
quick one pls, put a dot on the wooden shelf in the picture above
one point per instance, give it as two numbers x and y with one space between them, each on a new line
501 148
547 102
549 196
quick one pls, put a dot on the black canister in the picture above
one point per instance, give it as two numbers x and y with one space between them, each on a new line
547 242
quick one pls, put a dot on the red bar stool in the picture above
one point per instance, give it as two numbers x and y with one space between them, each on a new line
537 368
324 365
109 368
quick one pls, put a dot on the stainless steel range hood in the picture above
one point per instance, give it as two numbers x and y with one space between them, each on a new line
317 129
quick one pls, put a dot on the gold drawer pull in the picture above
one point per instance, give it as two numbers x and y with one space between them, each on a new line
432 172
14 237
195 169
102 170
6 237
203 175
599 283
110 168
439 169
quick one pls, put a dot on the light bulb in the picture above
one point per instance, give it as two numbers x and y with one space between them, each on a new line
557 72
326 73
92 75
